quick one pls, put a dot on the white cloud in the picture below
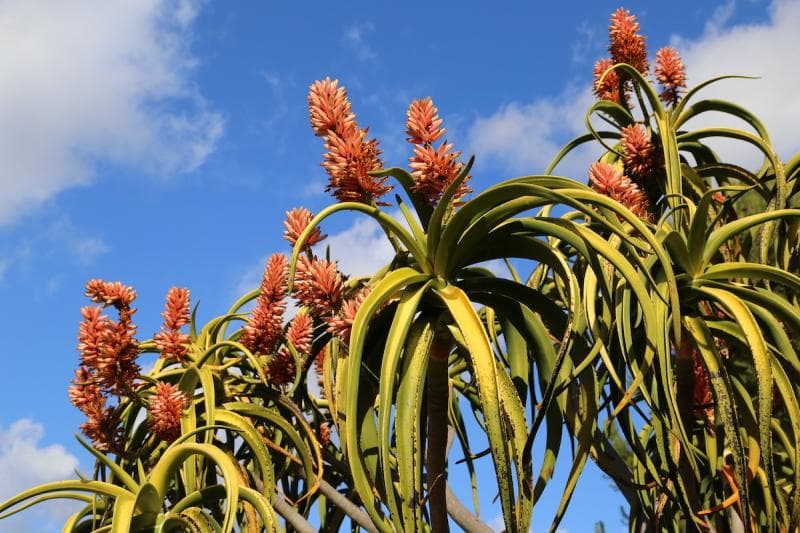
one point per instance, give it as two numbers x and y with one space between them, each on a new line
24 463
90 81
766 50
353 38
524 136
360 249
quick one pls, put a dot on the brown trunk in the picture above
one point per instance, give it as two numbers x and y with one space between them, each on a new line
438 400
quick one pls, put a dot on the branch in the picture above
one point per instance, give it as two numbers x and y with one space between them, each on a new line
352 510
457 511
349 508
292 517
463 516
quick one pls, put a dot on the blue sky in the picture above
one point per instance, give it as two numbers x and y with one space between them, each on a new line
159 143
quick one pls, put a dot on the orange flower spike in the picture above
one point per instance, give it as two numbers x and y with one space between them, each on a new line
176 312
341 324
106 346
318 285
84 393
103 428
282 368
423 125
433 169
639 154
110 293
626 45
348 160
170 341
328 107
324 434
608 180
91 333
670 73
349 156
606 88
300 332
296 222
165 409
264 327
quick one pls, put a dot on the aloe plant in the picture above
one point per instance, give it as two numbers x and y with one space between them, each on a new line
649 315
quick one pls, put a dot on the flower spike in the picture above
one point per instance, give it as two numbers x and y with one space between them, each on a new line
264 327
170 341
350 156
608 180
639 154
433 169
670 73
296 222
626 44
165 409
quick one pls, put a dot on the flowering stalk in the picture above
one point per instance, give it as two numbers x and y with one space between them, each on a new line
265 325
108 352
671 74
165 409
638 153
296 221
350 156
433 169
318 285
626 44
608 180
173 344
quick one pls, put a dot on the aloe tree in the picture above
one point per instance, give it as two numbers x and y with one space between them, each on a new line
649 316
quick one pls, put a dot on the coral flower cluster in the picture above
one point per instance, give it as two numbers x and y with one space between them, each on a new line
626 45
173 344
639 146
165 408
296 222
108 352
342 324
433 169
319 290
281 368
671 74
350 156
265 327
638 153
608 180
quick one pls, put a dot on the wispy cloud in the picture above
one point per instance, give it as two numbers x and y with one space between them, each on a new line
279 109
62 238
588 42
24 463
313 188
354 39
92 81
